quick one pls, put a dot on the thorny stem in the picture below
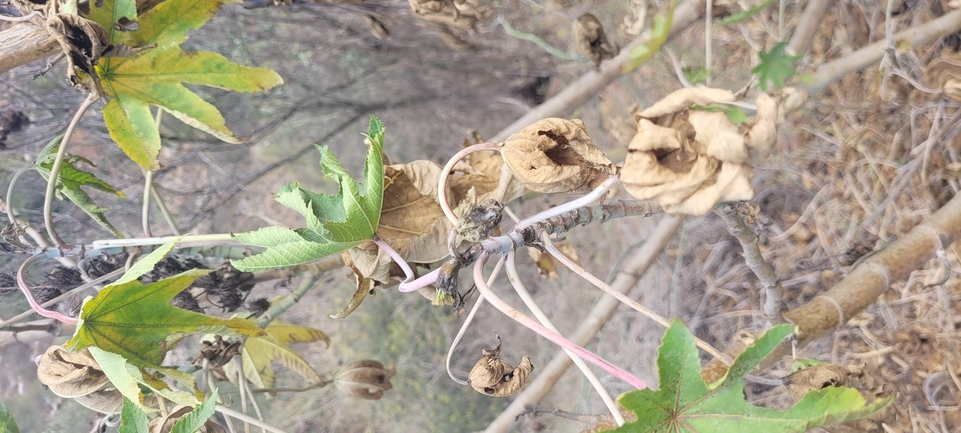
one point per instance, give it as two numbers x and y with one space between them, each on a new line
515 280
55 170
624 298
53 301
442 182
529 323
468 320
752 256
33 301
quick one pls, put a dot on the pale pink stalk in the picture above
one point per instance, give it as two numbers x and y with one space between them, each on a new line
442 182
587 355
33 301
409 284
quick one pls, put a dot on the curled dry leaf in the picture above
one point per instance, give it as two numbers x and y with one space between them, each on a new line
818 377
217 353
546 264
496 378
556 156
413 223
367 379
590 40
944 73
690 159
78 376
452 18
165 424
82 40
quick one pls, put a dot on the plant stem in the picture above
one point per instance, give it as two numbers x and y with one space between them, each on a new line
590 324
624 299
288 301
26 17
145 213
770 283
442 180
93 283
55 170
39 309
142 242
586 200
535 39
515 280
468 320
529 323
248 419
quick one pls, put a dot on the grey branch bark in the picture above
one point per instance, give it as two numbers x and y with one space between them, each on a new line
24 43
770 283
807 26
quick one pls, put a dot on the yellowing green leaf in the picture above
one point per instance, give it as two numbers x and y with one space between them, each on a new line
132 320
156 77
334 223
659 33
111 11
71 179
685 403
259 352
147 263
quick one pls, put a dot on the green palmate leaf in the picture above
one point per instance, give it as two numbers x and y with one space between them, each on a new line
776 66
132 418
196 419
147 263
133 320
157 76
109 12
334 223
745 14
685 403
659 33
129 380
7 423
71 179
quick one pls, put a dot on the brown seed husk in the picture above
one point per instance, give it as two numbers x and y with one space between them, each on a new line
556 156
367 379
689 160
494 377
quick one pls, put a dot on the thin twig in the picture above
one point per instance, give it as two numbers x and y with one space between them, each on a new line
770 283
55 170
279 307
148 186
586 200
515 280
708 36
26 17
556 338
164 211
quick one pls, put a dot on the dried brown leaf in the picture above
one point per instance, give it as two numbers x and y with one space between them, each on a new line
165 424
411 219
688 159
82 40
818 377
494 377
78 376
366 379
590 40
364 286
556 156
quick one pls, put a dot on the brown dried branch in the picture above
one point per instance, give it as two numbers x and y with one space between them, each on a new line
752 256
